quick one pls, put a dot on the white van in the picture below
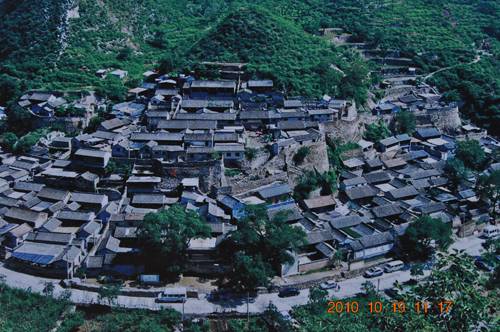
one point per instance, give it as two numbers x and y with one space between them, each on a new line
490 232
172 295
393 266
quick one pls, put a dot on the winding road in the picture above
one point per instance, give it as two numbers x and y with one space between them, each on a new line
476 60
202 306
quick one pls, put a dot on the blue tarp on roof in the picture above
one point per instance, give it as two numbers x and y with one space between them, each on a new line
34 258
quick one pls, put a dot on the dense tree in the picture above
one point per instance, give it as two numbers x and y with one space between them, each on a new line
416 242
26 142
124 54
455 171
258 248
301 154
169 63
404 122
488 189
165 237
312 180
248 272
94 123
113 89
417 270
307 183
22 311
354 83
164 320
9 141
328 182
10 89
376 131
454 278
18 119
279 49
471 153
250 153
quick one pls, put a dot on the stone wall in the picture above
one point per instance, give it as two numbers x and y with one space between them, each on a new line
347 131
243 186
70 124
446 120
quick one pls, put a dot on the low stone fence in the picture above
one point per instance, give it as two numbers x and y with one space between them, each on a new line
126 291
315 265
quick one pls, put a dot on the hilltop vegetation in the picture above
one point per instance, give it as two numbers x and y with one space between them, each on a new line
438 34
106 35
279 49
24 311
60 44
478 86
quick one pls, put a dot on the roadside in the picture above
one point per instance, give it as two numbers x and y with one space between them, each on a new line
203 307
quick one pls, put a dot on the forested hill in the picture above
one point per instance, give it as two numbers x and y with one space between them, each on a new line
276 48
59 44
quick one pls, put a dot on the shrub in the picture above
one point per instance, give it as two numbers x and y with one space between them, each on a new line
250 153
301 155
232 172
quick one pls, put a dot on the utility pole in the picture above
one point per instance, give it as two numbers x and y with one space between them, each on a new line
67 266
378 285
182 321
248 313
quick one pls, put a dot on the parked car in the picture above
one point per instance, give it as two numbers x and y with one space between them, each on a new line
172 295
394 266
288 292
490 232
149 279
329 284
108 279
373 272
483 265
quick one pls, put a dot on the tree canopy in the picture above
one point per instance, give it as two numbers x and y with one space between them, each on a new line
488 189
376 131
416 242
471 154
404 122
455 171
165 236
258 248
453 278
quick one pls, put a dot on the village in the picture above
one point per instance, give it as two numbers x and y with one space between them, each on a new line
70 207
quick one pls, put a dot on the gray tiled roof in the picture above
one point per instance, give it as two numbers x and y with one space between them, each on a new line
361 192
275 190
403 192
373 240
377 177
387 210
347 221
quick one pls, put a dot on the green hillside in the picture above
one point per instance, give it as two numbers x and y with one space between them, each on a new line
276 48
59 44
